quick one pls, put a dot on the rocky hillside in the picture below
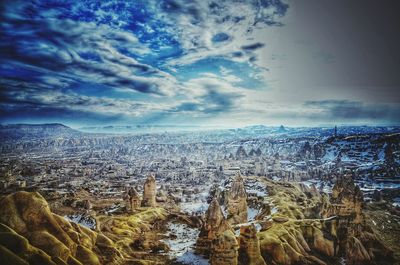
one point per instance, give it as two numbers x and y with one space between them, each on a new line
31 234
34 131
300 226
294 224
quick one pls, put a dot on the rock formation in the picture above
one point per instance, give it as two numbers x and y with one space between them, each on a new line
249 246
30 232
134 199
355 240
299 234
161 196
135 232
224 249
346 201
149 192
293 242
241 153
237 202
214 225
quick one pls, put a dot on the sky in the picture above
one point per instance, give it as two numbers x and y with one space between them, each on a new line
200 63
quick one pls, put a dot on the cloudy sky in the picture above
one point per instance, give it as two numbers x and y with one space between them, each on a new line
215 63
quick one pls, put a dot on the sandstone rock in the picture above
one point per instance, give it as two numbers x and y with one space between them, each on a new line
346 200
41 234
249 246
224 249
241 153
265 225
280 219
149 192
134 232
161 196
292 242
355 239
356 252
237 202
298 234
265 211
213 225
16 249
134 199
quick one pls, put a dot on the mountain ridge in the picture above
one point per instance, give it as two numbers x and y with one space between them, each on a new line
22 130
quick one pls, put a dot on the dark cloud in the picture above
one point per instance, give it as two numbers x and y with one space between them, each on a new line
253 47
187 106
219 10
183 7
217 98
352 111
77 51
217 102
226 21
220 37
40 104
237 54
214 102
11 113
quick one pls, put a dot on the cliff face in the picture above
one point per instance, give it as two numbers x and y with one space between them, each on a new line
237 202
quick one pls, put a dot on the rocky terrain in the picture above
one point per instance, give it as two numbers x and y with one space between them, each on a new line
242 197
32 234
305 227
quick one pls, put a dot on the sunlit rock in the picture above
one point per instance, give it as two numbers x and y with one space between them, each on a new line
149 192
237 202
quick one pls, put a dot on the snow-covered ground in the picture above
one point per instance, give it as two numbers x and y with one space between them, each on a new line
368 185
194 207
255 187
182 243
197 205
84 220
251 213
396 202
326 186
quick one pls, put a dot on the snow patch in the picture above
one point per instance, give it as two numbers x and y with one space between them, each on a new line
181 242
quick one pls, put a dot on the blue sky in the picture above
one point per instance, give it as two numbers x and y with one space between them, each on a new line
214 63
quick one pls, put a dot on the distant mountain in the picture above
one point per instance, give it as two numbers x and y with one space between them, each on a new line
143 128
282 129
29 131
